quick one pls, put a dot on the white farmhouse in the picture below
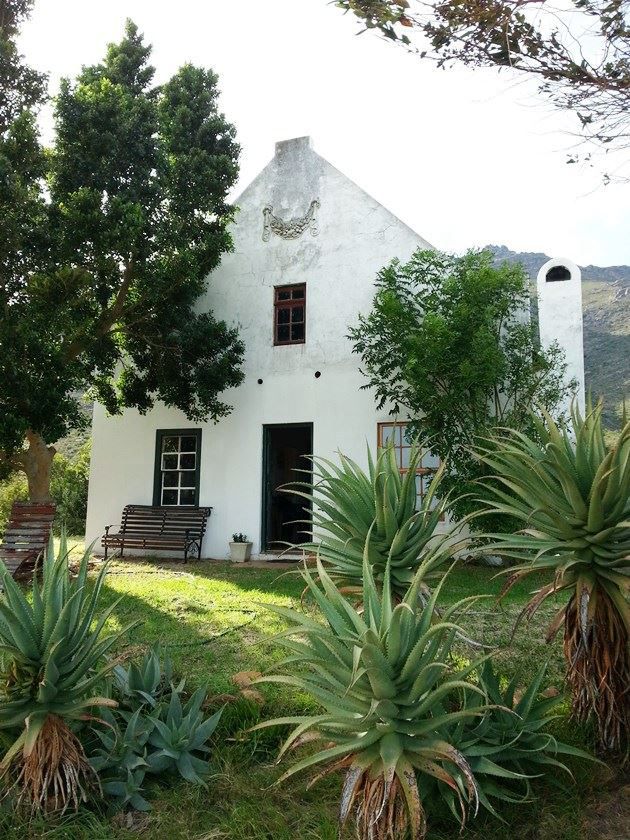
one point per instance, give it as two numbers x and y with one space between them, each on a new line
308 244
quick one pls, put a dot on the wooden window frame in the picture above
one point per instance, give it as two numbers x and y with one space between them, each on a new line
160 434
288 304
421 471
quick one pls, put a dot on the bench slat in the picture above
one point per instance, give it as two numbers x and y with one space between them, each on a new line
26 534
144 526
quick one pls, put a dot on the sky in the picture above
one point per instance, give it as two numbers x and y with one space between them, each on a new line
465 157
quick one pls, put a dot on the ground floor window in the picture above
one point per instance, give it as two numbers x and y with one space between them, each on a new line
177 463
397 434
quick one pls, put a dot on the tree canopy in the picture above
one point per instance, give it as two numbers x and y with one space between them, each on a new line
449 342
579 52
110 235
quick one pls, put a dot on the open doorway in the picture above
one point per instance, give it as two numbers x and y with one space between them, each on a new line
284 449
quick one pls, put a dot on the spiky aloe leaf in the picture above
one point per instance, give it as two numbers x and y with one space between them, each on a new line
383 719
53 655
572 494
349 505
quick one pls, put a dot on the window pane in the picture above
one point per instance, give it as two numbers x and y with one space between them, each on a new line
170 444
430 461
297 314
169 497
187 497
297 332
387 432
169 479
188 461
282 333
283 294
405 457
189 444
298 293
284 316
169 462
406 435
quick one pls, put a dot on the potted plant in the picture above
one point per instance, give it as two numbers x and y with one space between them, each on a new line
240 548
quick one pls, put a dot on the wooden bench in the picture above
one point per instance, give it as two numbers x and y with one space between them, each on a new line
159 528
26 535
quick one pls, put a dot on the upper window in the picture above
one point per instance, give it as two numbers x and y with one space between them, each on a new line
177 464
289 314
397 433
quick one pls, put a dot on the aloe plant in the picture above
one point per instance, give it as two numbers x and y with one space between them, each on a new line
382 677
571 491
144 684
350 505
179 739
53 651
121 758
509 744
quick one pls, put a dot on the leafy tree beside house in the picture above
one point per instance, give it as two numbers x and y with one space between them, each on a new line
449 341
108 237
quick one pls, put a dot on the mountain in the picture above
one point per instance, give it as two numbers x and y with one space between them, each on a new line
606 303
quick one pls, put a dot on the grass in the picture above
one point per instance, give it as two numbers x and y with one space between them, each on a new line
211 619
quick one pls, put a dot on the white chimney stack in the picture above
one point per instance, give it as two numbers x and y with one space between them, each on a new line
559 287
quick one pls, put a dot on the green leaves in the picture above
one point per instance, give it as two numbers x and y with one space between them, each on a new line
572 494
179 738
446 342
358 516
53 644
382 678
507 745
107 243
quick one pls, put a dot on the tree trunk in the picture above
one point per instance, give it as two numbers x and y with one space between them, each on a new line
36 462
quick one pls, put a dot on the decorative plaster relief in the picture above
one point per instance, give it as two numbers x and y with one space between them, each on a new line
293 228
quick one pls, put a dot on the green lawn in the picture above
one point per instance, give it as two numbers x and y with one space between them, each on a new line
212 620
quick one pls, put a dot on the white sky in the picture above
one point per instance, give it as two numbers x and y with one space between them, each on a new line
465 157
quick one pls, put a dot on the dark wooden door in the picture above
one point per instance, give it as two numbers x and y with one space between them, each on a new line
285 448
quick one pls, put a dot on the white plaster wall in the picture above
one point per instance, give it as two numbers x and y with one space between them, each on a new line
560 320
356 238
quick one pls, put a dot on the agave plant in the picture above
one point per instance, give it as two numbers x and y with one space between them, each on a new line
120 758
349 505
146 682
509 744
179 738
572 494
53 652
382 677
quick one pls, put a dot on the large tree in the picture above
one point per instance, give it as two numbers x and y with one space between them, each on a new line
108 237
579 51
450 343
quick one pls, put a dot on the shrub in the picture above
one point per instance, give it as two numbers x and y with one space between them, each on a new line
572 495
150 731
53 651
382 678
68 488
509 744
374 514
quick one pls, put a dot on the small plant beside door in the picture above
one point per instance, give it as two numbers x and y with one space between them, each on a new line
240 548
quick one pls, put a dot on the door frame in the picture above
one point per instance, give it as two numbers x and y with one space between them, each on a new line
266 429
